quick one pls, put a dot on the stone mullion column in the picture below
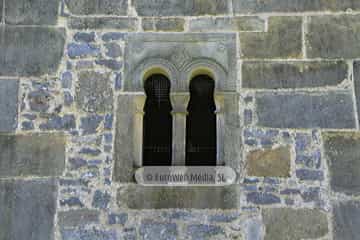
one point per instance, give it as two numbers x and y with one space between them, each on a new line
138 129
220 131
179 113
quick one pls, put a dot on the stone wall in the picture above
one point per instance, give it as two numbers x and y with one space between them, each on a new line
64 76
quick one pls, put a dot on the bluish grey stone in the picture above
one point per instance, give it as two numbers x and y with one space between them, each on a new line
342 150
113 36
90 124
101 199
119 23
66 80
97 7
88 234
84 37
76 218
262 198
68 98
108 122
76 50
309 175
34 12
113 50
39 100
109 63
27 209
202 231
118 81
55 122
158 230
311 194
32 155
305 110
8 104
23 48
90 151
71 202
27 125
76 163
224 217
346 220
118 218
282 75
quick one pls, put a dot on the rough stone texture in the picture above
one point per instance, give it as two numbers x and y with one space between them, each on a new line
8 104
32 155
158 230
181 8
277 75
346 220
35 12
93 92
283 40
286 223
100 7
333 36
163 24
300 110
80 217
118 23
22 50
214 197
227 24
342 151
255 6
27 209
202 231
357 84
269 162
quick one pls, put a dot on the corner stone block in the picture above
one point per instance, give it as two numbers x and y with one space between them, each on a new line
23 50
306 110
27 209
145 197
97 7
181 8
346 220
342 152
35 12
294 224
333 36
32 155
8 104
283 40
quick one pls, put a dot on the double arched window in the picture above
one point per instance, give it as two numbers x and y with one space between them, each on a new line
200 122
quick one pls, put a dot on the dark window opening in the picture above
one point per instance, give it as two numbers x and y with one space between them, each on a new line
201 123
157 123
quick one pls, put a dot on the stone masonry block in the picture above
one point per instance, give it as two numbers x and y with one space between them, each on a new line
8 104
333 36
256 6
346 220
100 7
283 40
281 75
342 150
27 209
118 23
163 24
23 50
35 12
306 110
181 8
32 155
286 223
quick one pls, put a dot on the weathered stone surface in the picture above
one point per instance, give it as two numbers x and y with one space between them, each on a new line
262 198
357 84
310 175
157 230
118 23
203 231
333 36
302 110
276 75
286 223
342 150
75 218
113 50
145 197
27 209
93 92
8 104
255 6
100 7
23 48
35 12
163 24
181 8
346 220
283 40
82 50
269 162
88 234
32 155
250 24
